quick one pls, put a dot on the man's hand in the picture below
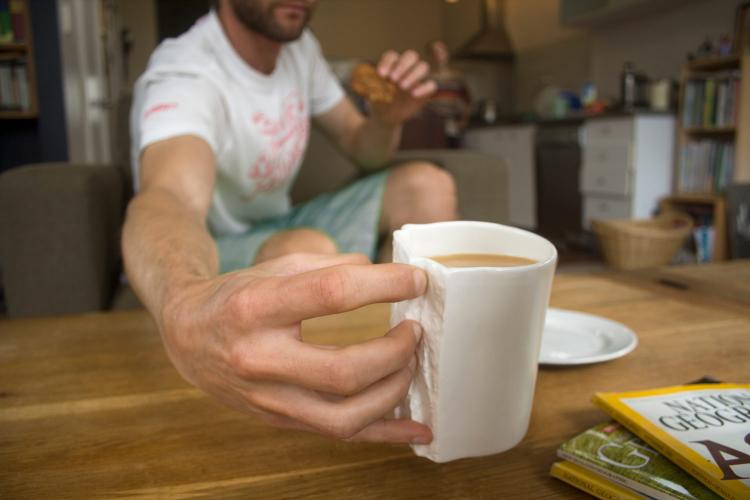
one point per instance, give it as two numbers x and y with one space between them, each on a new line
409 73
237 337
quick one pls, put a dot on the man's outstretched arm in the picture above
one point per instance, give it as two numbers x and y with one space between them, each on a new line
237 335
165 241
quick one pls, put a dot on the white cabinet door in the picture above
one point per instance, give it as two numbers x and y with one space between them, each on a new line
515 145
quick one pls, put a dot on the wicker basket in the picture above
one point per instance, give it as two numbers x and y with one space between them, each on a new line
634 244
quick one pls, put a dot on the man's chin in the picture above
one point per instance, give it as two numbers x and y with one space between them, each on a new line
287 35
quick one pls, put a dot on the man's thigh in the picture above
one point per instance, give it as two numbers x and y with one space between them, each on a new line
417 192
349 217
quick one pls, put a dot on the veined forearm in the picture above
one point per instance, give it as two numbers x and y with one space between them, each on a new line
165 247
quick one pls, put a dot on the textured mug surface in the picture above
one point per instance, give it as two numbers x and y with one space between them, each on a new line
482 333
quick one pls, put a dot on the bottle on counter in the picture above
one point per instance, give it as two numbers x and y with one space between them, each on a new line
627 86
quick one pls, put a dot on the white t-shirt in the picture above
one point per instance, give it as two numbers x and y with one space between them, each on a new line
257 125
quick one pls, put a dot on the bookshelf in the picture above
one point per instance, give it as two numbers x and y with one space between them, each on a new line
18 95
713 139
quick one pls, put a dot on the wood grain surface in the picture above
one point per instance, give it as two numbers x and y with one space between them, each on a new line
91 407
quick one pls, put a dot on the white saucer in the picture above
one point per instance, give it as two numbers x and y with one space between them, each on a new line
576 338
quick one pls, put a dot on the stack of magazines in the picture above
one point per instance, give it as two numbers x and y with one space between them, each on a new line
686 442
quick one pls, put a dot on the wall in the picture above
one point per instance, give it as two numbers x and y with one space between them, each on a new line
535 23
366 29
565 64
657 44
43 139
359 29
547 53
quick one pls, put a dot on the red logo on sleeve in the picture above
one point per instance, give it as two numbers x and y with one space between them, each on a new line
158 108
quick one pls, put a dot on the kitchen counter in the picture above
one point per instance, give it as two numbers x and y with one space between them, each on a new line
571 119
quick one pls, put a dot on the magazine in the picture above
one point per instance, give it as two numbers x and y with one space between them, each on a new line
703 428
591 483
610 450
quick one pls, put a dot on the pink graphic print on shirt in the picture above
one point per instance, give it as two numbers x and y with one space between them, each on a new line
285 142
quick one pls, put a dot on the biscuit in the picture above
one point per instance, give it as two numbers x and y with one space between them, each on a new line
367 83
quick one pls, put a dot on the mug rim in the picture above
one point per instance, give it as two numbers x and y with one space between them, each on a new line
539 264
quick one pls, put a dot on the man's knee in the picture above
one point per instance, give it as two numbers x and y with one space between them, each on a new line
295 241
424 178
423 192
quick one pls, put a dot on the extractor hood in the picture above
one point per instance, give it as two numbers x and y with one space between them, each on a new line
492 41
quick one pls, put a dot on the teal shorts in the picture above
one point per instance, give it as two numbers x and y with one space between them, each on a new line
350 217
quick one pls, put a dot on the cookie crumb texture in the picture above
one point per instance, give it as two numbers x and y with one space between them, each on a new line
367 83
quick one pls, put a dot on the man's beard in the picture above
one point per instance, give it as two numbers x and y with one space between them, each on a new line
253 17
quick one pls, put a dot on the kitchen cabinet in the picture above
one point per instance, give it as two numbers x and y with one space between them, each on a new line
515 145
627 165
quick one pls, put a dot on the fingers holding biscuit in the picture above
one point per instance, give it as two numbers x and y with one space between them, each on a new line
424 90
403 66
387 63
369 84
397 88
414 76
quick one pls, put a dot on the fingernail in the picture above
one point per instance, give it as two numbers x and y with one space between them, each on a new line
420 281
420 440
417 328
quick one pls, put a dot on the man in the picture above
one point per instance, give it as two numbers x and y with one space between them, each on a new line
220 122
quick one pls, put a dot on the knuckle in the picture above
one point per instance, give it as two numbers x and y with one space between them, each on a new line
332 289
244 361
238 304
238 359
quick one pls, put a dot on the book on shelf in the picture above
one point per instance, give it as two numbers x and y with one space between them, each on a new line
12 21
611 451
590 482
18 20
711 101
703 237
6 25
706 166
703 428
14 86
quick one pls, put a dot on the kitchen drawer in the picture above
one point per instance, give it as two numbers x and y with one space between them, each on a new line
611 181
599 131
610 157
602 207
606 170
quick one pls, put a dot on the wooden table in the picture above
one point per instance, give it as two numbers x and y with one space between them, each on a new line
91 407
728 279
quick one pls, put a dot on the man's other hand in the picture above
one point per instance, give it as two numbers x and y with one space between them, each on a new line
410 75
238 338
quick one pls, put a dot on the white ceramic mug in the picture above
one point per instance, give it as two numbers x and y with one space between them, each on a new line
482 333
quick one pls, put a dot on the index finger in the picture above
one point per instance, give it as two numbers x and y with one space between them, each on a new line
387 61
343 288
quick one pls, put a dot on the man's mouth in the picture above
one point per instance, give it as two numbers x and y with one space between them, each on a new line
296 9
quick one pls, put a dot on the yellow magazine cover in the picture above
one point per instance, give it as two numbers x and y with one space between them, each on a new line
703 428
591 483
